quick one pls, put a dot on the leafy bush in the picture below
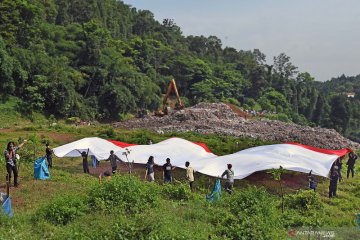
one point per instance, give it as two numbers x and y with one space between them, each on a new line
124 192
64 209
177 192
304 200
252 215
294 218
125 116
304 209
107 133
73 120
233 101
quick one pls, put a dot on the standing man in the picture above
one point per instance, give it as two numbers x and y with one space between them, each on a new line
149 173
230 178
351 164
167 170
113 158
49 153
10 159
339 163
84 156
334 177
190 175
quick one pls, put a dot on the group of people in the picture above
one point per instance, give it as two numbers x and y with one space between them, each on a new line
335 172
167 171
11 158
112 158
167 174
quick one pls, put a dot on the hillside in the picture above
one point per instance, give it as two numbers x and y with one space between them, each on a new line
102 59
220 119
75 205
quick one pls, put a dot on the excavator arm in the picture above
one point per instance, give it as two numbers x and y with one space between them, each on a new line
172 86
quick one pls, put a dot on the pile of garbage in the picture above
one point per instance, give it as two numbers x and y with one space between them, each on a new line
220 119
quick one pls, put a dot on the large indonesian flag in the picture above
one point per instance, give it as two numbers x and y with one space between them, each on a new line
290 156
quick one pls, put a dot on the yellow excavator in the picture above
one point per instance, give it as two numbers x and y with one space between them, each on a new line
164 110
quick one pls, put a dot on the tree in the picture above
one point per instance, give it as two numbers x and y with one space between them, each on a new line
340 113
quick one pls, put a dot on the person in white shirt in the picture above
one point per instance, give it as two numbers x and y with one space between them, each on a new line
190 175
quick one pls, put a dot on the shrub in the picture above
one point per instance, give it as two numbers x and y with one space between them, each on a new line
124 192
232 101
252 215
283 117
64 209
125 116
294 218
303 200
107 133
177 192
73 120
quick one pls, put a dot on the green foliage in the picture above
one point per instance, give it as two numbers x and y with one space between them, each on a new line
303 209
102 59
180 192
304 200
125 116
63 209
123 192
252 215
73 120
107 133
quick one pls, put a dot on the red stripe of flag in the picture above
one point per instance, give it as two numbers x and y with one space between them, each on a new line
339 152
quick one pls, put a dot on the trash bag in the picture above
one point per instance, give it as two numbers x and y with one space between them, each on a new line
7 206
41 170
215 195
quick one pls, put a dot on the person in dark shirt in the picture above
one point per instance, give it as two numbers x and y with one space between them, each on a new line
149 173
167 171
84 156
351 164
10 159
334 177
339 163
49 153
113 160
312 182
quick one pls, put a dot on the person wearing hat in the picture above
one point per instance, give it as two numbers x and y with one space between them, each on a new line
229 173
10 159
334 177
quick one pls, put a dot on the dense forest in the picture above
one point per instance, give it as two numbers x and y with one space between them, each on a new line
102 59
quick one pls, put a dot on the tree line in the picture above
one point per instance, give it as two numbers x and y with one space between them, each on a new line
100 59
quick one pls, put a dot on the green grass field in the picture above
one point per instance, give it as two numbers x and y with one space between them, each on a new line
73 205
